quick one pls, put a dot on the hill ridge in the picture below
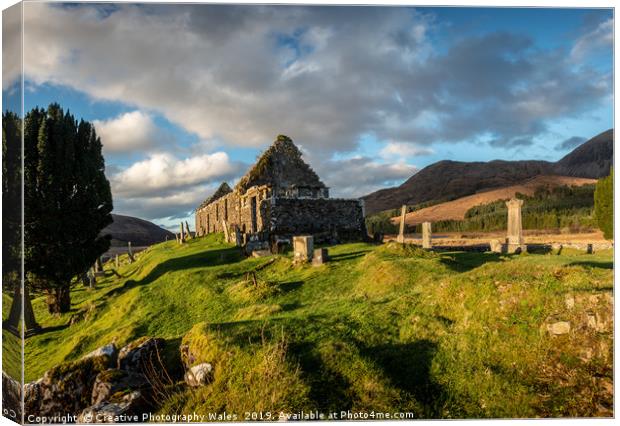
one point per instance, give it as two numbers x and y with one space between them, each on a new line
455 179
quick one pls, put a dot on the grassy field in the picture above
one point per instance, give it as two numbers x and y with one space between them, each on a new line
379 328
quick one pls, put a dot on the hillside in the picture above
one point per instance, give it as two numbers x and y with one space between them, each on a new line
455 210
382 328
139 231
448 180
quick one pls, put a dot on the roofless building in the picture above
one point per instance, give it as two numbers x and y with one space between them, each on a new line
281 196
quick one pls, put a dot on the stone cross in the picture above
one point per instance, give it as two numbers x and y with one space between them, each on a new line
401 231
426 235
514 238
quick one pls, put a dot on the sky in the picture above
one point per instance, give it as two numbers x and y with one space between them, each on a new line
187 96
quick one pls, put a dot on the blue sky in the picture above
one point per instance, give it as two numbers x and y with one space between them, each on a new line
185 96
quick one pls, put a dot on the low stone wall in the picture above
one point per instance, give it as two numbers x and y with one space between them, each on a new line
340 218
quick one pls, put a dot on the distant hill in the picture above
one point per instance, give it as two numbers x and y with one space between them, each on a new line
456 209
139 231
591 159
448 180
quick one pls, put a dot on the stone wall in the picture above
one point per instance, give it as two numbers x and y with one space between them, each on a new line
339 217
282 216
236 210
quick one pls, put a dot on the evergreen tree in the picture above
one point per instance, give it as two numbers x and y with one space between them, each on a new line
67 202
604 205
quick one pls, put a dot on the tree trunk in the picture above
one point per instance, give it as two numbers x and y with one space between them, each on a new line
58 300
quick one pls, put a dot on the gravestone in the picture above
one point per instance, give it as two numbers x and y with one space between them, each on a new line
401 231
238 240
182 234
188 234
303 245
116 263
320 256
226 233
129 252
426 235
514 239
496 246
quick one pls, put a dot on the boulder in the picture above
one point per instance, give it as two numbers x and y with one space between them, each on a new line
11 398
560 327
123 408
141 354
199 375
108 351
65 389
111 381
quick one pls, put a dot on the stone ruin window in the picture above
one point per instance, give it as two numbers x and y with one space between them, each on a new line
217 212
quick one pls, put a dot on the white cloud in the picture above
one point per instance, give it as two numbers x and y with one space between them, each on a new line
162 174
323 75
402 150
358 176
601 37
128 132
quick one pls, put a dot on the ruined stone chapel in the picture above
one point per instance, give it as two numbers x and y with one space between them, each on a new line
279 197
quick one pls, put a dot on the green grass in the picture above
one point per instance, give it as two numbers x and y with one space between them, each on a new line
381 328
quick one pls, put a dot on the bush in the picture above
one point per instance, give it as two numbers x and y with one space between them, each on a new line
604 205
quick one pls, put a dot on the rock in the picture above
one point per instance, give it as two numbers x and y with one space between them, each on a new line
140 354
569 301
65 389
261 253
591 321
109 351
112 381
11 398
199 375
120 409
560 327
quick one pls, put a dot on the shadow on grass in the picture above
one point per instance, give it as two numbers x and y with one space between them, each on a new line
329 389
347 256
45 330
408 367
206 258
464 261
594 264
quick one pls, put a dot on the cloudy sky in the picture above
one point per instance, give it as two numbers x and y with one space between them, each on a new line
185 96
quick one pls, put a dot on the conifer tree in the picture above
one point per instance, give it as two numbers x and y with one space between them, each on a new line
67 202
604 205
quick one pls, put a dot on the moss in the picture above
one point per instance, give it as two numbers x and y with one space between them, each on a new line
85 367
111 374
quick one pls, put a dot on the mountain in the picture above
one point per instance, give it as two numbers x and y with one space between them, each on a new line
448 180
592 159
139 231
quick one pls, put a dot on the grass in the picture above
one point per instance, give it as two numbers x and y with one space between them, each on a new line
384 328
